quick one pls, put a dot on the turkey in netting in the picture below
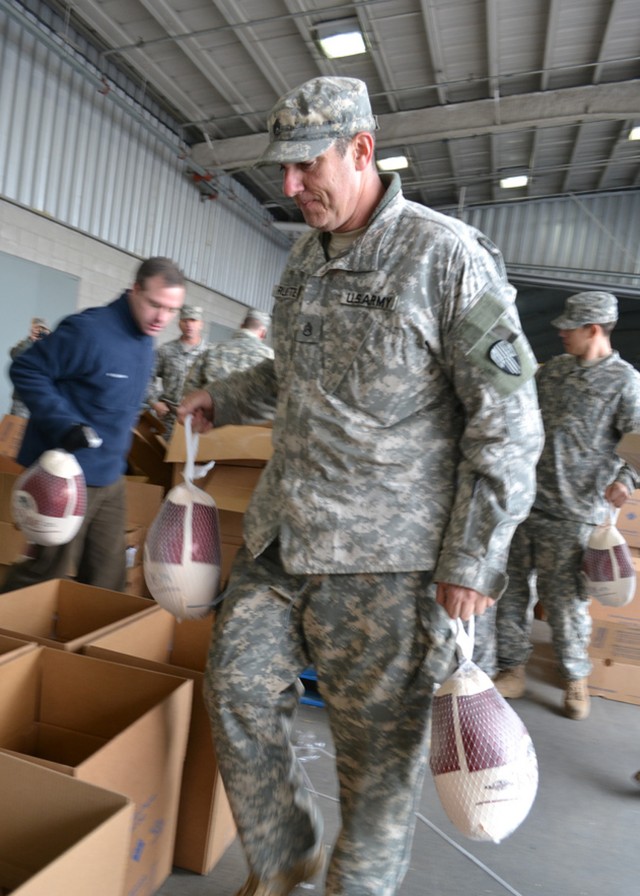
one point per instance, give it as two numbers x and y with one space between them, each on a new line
182 553
482 758
49 499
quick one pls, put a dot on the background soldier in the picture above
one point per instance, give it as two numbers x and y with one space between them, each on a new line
173 360
589 398
246 348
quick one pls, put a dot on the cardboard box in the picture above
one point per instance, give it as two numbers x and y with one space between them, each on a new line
159 642
628 521
112 725
12 542
58 836
64 614
225 443
146 455
12 647
615 654
628 448
11 432
143 504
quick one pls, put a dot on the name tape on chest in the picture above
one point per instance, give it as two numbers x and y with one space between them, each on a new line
374 301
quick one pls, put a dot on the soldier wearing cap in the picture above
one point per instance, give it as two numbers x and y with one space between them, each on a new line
173 362
38 330
405 439
589 398
246 348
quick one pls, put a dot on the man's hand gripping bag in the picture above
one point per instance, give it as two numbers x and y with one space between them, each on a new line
482 758
182 547
607 566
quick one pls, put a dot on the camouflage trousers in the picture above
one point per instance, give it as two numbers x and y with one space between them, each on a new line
379 644
544 561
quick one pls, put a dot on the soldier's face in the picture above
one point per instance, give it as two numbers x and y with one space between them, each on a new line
576 342
326 190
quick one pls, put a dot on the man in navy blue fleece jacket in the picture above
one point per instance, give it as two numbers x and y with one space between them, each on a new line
84 386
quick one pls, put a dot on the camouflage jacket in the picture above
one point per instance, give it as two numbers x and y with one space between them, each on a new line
173 360
407 428
586 409
243 350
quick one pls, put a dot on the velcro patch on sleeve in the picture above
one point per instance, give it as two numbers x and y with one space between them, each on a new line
494 344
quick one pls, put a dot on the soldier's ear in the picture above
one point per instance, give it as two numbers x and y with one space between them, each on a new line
363 145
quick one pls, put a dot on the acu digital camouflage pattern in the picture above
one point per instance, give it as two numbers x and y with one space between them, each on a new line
405 439
243 350
379 644
398 444
173 361
586 409
305 122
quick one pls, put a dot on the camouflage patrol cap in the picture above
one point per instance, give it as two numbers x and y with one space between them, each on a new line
191 312
587 308
306 121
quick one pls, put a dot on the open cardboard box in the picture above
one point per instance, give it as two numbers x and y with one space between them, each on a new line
12 647
615 655
247 444
112 725
59 836
65 614
159 642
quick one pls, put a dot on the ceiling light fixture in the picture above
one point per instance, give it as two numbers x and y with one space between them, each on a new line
339 39
634 134
393 163
514 181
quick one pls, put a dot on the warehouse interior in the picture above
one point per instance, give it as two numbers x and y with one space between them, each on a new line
131 127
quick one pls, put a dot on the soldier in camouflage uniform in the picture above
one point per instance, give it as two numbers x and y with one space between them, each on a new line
173 361
245 349
405 439
589 398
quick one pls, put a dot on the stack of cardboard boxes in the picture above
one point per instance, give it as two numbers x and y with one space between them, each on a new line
101 708
615 639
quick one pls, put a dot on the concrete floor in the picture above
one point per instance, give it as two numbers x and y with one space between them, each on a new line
581 837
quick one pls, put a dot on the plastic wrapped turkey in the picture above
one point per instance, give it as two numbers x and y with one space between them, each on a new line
182 553
607 566
482 758
49 499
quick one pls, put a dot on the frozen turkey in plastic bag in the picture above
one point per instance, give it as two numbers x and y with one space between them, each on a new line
482 758
182 552
607 566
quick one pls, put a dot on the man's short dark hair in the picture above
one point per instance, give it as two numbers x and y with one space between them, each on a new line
160 267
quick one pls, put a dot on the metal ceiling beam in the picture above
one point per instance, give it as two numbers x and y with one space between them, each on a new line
570 106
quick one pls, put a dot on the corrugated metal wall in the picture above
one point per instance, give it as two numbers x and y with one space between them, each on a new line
93 158
590 239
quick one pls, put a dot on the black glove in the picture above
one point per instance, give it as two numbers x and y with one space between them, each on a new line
80 436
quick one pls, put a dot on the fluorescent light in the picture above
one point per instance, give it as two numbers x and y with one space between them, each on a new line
340 38
393 163
634 134
339 45
510 183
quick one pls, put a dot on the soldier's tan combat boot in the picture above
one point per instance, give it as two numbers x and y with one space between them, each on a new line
282 883
510 682
576 699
